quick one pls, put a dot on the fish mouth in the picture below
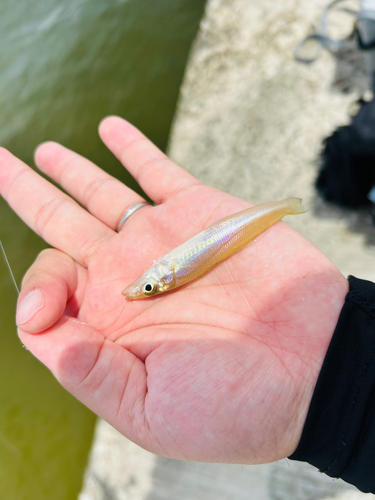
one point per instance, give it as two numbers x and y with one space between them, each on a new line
128 294
133 292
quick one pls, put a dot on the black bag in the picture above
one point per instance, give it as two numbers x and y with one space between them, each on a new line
348 161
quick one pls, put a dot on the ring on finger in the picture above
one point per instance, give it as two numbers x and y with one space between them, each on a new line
129 213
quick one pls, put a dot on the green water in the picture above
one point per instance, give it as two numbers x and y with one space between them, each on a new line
64 65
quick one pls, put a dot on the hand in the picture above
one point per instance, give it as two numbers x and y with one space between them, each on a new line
221 370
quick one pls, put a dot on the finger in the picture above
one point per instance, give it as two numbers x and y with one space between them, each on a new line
104 376
53 215
46 289
158 176
104 196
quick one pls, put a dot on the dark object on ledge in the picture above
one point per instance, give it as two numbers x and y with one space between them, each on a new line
347 173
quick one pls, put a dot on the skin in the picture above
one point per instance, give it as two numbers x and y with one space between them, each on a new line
223 369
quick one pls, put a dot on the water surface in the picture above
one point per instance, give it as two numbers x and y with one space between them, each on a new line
64 65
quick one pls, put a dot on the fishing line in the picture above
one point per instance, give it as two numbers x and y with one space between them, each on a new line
111 322
10 269
13 278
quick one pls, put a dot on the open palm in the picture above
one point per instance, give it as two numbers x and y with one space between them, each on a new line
220 370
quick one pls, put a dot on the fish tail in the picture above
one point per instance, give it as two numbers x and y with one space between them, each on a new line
295 205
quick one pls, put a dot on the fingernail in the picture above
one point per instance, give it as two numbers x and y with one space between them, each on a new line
30 305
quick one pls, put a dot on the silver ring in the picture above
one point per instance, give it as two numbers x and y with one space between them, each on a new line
129 213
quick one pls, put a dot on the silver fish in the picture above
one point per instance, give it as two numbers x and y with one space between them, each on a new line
210 247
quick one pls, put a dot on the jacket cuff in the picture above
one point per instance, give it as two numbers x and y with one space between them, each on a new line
339 433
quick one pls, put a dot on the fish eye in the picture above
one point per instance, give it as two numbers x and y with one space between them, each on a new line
149 288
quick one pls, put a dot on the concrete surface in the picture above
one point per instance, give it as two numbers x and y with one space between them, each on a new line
251 121
120 470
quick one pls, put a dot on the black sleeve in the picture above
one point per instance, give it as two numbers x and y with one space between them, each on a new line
339 432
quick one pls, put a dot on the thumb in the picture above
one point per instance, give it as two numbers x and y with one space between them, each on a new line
107 378
46 288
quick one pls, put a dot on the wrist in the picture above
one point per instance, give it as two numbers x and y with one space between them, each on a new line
339 436
334 295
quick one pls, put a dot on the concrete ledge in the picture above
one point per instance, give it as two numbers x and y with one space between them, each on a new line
250 121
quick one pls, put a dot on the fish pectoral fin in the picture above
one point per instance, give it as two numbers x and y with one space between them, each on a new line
168 278
165 263
166 269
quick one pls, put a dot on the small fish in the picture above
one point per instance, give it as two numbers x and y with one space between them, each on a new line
210 247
